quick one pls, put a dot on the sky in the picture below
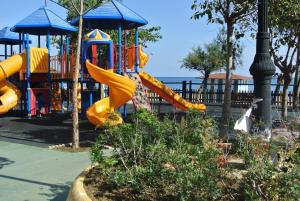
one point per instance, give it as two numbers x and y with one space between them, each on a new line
180 33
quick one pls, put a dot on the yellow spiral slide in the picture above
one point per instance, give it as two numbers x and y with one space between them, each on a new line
9 94
121 90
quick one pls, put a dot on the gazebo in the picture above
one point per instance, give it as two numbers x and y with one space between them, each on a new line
9 38
42 22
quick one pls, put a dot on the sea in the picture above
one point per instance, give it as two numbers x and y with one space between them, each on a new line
176 83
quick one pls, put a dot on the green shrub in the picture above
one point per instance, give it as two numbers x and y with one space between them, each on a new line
176 159
179 160
272 173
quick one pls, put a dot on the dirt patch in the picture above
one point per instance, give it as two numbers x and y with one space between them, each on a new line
83 147
98 189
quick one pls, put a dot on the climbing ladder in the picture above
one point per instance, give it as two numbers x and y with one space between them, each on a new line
140 98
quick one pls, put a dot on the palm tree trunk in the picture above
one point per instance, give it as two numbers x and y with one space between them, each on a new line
75 140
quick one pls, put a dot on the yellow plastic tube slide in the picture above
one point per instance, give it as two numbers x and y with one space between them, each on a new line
121 90
169 95
9 94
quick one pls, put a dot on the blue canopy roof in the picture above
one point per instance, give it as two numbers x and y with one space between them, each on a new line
41 21
7 37
110 15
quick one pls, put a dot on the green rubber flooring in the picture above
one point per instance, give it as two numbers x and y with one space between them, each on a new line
30 173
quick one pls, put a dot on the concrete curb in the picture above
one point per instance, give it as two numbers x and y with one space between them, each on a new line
77 191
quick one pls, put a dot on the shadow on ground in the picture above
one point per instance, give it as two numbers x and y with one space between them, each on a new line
57 192
4 162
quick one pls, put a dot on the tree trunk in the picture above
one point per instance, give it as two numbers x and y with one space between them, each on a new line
296 88
284 104
204 83
277 88
75 140
224 126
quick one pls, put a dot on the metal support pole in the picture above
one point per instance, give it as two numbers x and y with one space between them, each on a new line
124 52
125 110
11 50
119 70
110 65
5 51
39 41
136 50
28 76
124 70
68 71
91 82
23 41
262 69
62 72
49 70
89 52
111 53
22 82
90 88
20 42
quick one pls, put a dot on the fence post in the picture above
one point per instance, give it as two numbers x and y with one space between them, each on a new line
184 89
159 104
190 90
235 86
273 95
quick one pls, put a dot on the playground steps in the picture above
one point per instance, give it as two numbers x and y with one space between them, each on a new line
140 98
56 98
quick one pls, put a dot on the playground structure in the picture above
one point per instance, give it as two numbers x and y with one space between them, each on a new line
36 79
121 88
49 79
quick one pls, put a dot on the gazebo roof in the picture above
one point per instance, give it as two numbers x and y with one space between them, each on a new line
110 15
222 76
41 21
7 37
96 35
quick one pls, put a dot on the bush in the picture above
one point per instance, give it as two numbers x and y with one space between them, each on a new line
178 160
272 173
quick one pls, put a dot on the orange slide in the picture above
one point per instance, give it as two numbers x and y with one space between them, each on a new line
121 90
169 95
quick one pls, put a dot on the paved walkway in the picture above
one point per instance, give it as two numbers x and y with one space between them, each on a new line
30 173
